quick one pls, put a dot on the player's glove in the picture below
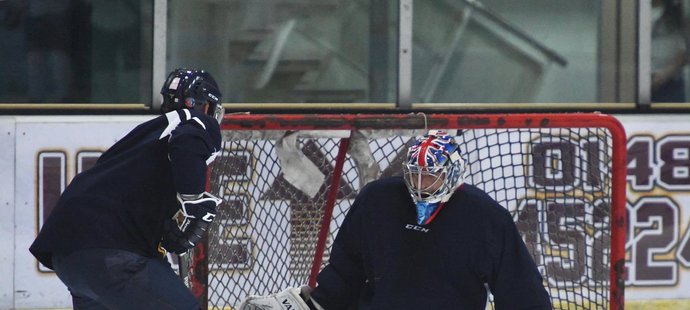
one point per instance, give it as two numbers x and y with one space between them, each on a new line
174 240
202 206
297 298
199 211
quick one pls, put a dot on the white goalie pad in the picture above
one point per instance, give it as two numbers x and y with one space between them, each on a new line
286 299
360 152
297 169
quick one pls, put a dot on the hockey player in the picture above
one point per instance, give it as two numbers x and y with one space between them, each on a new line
103 236
423 241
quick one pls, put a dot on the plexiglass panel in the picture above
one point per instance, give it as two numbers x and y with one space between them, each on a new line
288 51
669 50
64 51
506 51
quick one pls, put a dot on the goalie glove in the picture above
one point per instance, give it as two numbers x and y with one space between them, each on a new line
199 211
293 298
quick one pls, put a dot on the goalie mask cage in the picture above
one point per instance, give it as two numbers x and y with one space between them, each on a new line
288 180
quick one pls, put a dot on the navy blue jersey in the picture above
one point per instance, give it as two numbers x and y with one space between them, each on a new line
123 200
381 259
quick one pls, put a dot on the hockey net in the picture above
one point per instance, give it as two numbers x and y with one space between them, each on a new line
288 181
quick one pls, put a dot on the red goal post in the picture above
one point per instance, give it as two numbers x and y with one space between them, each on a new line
288 181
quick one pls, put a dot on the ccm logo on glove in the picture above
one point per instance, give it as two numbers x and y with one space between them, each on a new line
208 217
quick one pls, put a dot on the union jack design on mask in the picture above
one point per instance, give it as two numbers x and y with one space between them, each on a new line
433 170
432 150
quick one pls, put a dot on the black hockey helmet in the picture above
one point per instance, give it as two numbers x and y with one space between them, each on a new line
191 89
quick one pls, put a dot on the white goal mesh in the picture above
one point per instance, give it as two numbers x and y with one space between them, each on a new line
284 177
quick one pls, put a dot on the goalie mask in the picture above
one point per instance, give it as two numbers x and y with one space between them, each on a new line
191 89
433 171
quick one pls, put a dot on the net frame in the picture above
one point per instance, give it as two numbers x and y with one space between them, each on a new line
339 126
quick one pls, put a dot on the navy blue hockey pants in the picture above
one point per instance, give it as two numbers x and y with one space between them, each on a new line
117 279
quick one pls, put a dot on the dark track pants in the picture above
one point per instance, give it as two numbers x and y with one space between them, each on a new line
117 279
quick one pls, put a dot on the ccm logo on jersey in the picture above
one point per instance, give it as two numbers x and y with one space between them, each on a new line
417 228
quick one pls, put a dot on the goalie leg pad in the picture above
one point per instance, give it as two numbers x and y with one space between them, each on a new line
287 299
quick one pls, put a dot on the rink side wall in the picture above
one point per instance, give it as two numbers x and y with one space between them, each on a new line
40 154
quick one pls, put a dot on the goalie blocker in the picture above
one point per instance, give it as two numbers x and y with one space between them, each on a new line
297 298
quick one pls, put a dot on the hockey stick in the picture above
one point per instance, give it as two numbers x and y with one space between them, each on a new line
183 259
183 267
